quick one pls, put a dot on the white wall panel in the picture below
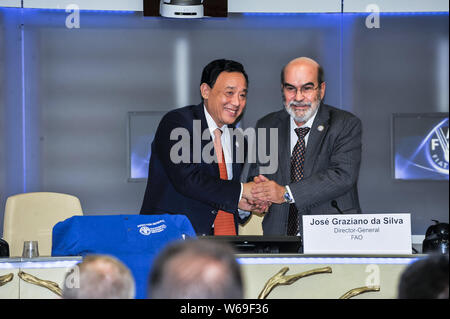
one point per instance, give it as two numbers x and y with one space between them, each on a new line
289 6
10 3
256 6
115 5
397 6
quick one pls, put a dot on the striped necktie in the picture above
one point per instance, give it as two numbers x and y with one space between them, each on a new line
297 162
224 222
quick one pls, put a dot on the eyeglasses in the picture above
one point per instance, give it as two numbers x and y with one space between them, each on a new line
306 89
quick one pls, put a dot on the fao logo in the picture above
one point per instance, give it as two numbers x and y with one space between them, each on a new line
438 148
144 230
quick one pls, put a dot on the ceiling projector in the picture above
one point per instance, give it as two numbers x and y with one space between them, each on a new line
185 9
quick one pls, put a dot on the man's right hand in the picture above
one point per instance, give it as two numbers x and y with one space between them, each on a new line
252 203
267 190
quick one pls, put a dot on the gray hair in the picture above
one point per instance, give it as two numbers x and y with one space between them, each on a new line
101 277
196 269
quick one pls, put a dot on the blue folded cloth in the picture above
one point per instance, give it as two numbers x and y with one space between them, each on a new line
133 239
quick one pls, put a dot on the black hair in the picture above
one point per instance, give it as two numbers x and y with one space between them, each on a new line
213 69
426 278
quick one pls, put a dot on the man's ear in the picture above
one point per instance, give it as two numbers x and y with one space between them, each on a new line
323 86
204 90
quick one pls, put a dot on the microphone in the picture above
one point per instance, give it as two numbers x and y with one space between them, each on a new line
335 205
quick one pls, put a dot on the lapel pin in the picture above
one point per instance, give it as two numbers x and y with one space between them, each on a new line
320 128
237 144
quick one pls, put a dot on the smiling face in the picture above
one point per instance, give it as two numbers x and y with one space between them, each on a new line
302 92
226 100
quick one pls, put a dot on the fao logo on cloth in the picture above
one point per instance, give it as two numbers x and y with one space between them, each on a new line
144 230
152 228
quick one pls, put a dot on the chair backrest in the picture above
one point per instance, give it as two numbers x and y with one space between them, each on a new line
31 216
253 226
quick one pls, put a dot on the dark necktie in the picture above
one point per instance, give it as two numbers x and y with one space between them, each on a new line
297 162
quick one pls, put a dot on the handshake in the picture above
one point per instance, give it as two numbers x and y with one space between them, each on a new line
258 195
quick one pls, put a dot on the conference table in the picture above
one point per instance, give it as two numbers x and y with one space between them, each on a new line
314 277
137 239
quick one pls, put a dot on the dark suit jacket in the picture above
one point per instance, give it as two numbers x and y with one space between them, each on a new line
194 188
331 169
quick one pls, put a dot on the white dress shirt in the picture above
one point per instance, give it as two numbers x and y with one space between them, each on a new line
225 140
226 144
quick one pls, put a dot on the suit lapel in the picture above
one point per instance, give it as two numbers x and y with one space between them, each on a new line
318 131
284 157
199 114
236 147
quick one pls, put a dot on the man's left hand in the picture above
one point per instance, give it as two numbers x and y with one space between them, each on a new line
267 190
253 206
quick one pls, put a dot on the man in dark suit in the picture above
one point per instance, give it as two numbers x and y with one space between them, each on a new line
186 174
319 154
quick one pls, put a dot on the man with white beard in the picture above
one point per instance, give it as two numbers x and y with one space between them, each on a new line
319 154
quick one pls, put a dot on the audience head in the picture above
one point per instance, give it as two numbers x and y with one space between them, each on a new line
196 269
426 278
100 277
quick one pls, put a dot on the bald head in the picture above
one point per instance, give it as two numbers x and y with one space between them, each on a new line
304 60
304 65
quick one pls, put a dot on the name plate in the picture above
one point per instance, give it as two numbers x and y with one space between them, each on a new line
357 234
